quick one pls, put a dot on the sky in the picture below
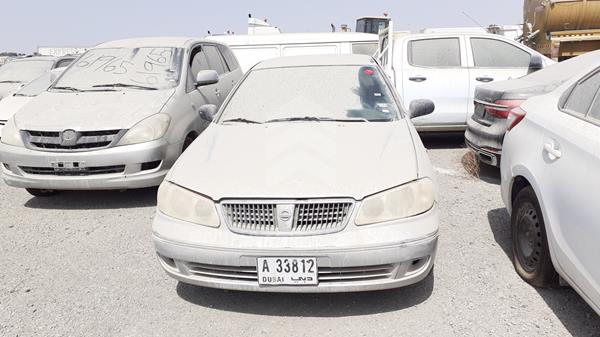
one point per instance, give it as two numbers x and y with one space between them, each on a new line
25 25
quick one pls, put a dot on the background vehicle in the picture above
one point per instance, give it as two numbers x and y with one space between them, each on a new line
13 103
18 72
551 186
118 117
448 67
251 49
335 193
562 29
494 101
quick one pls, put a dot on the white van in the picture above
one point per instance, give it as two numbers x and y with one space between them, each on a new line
447 67
251 49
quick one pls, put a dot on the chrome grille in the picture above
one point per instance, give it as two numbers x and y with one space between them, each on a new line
305 217
84 171
85 140
329 275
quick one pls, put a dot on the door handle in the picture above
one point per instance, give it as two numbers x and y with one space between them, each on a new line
553 152
484 79
418 78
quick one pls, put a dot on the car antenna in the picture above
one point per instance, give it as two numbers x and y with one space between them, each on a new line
471 18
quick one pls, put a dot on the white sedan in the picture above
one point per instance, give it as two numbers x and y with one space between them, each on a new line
310 179
551 186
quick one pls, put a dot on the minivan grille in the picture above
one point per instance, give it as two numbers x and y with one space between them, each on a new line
87 171
82 140
308 217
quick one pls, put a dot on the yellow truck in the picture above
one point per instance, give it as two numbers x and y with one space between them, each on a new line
561 29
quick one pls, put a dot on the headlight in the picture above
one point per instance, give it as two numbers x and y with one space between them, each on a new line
182 204
11 135
404 201
151 128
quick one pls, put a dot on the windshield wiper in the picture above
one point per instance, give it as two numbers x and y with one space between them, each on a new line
315 119
67 88
123 85
241 120
10 81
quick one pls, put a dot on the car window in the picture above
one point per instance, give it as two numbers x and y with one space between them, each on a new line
492 53
583 95
199 61
215 61
230 59
24 71
595 109
434 52
365 48
63 63
347 93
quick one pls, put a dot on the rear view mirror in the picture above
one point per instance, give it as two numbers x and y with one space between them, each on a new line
208 112
206 77
536 63
421 107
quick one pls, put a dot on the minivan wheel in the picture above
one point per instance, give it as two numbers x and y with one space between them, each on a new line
38 192
531 255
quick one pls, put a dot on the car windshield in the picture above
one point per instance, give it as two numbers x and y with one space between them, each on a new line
312 93
133 68
23 71
36 86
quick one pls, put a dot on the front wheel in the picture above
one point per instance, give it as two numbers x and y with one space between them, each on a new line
38 192
531 255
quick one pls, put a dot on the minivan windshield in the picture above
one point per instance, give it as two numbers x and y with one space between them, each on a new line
131 68
36 86
23 71
345 93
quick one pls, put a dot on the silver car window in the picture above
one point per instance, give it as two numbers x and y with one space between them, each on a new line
330 92
583 94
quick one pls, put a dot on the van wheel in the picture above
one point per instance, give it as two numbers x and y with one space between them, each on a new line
37 192
531 255
189 139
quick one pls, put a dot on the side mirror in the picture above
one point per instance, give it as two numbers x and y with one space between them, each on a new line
206 77
536 63
208 112
54 73
421 107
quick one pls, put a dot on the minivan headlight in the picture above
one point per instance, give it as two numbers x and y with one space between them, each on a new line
11 135
151 128
183 204
404 201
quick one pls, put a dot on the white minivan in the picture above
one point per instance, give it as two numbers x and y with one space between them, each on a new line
448 67
118 117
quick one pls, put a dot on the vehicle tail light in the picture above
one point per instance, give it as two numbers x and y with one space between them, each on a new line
515 116
502 108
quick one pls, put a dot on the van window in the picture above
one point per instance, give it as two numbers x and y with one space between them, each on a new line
215 61
434 52
492 53
310 50
232 63
583 95
364 48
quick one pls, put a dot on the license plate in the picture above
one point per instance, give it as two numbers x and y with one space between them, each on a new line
479 110
294 271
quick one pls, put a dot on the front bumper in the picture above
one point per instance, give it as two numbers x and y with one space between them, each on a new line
364 258
17 160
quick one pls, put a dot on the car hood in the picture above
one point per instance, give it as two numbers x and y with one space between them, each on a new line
11 104
297 160
7 89
88 111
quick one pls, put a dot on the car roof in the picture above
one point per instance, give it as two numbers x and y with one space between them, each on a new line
291 38
173 42
315 60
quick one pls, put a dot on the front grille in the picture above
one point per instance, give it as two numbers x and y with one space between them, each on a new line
306 217
84 171
327 275
83 140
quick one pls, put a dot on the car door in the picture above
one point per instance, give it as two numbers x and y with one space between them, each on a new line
234 72
571 151
435 68
216 62
492 59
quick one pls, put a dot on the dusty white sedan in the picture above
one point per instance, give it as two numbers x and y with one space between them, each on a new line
550 184
311 178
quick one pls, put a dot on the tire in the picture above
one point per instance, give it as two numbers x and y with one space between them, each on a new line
37 192
531 255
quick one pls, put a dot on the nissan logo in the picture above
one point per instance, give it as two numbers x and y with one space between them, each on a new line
285 216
